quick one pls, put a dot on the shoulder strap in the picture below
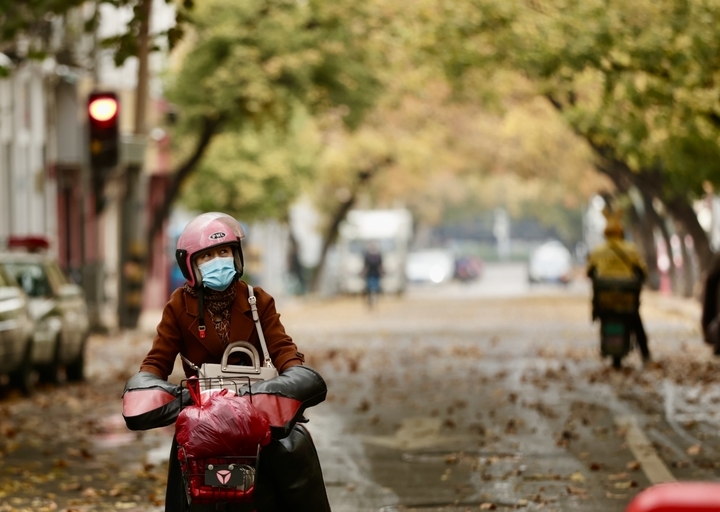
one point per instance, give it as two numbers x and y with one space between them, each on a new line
189 363
253 306
622 255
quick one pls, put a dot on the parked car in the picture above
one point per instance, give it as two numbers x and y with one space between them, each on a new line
430 266
468 268
57 309
15 335
551 262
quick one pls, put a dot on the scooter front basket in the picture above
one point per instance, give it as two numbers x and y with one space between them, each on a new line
218 479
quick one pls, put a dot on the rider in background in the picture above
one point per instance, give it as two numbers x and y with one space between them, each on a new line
372 271
620 259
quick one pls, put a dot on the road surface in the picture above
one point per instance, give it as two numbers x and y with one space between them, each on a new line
479 396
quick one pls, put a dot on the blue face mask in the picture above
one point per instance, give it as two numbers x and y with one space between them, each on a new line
218 273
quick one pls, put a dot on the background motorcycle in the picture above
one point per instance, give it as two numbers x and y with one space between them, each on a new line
615 302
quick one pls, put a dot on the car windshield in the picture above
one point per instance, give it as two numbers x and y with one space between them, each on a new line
5 279
31 277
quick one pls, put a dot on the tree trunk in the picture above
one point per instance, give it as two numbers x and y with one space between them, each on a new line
651 182
363 177
683 211
133 261
295 266
143 76
647 235
662 226
688 278
643 233
211 126
653 221
329 239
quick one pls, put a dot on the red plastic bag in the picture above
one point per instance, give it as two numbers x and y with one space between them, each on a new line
220 424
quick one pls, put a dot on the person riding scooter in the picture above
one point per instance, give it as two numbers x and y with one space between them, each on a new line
209 312
618 259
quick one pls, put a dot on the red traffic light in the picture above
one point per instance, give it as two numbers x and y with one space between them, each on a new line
103 108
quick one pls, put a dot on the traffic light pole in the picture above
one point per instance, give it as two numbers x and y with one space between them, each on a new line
131 250
132 247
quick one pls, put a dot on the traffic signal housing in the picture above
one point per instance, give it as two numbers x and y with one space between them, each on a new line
103 118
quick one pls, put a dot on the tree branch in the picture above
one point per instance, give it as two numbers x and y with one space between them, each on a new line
650 181
363 177
210 128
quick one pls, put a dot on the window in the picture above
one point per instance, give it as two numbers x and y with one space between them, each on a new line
31 277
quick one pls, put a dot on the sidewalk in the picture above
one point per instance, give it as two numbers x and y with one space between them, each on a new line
685 307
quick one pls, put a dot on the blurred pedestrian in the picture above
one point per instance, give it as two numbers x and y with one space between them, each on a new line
710 319
372 272
620 259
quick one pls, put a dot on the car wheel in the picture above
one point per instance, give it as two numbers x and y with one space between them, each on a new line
75 371
25 377
53 373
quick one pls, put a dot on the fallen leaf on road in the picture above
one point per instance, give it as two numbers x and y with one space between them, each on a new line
577 477
89 493
694 449
625 485
452 459
577 491
71 486
615 496
618 476
487 506
633 465
542 476
363 407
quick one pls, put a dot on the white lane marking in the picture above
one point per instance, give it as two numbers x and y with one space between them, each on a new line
670 417
654 468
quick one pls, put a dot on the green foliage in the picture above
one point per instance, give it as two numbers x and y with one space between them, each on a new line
267 68
255 174
126 44
30 17
637 77
33 19
254 60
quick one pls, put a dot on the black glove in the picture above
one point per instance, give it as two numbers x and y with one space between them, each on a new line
298 387
150 402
